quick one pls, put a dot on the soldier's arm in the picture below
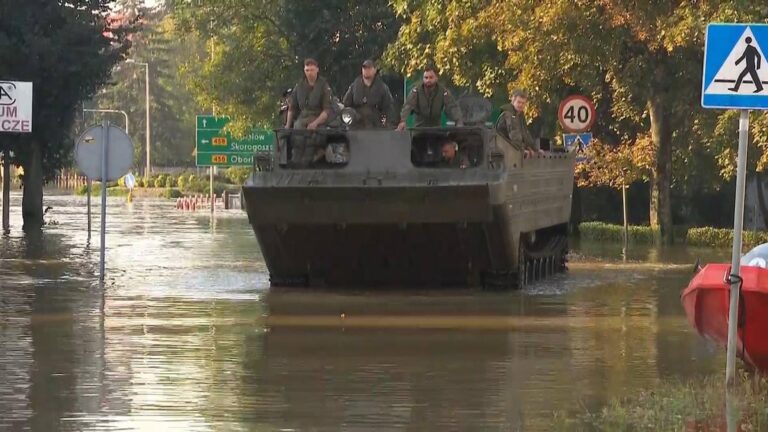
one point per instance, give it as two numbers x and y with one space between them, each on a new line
528 139
409 105
348 96
514 133
326 109
388 106
452 108
293 105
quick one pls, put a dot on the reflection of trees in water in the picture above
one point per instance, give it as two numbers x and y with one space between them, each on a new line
15 357
615 347
376 380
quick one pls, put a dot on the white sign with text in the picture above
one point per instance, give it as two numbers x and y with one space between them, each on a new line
15 106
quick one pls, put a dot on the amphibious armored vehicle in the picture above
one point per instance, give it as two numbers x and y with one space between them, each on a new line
381 207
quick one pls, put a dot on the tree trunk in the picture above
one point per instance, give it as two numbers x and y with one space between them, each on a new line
761 198
661 181
32 201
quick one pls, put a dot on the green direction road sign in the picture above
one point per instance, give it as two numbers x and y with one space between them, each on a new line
224 159
219 148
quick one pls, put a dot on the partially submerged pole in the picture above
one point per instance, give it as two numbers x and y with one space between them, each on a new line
7 190
738 222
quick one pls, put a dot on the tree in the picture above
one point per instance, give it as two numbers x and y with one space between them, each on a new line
67 49
172 107
255 49
642 59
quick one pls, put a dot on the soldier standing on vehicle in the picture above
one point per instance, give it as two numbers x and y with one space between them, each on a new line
428 100
512 126
371 99
311 99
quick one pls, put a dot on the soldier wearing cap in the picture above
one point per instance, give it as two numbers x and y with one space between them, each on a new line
428 100
370 97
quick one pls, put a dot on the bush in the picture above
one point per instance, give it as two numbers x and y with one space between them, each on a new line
170 181
237 175
182 181
721 237
159 181
599 231
172 193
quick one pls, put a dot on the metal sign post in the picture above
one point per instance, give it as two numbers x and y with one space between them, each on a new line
104 153
7 190
738 221
104 150
731 80
89 185
213 196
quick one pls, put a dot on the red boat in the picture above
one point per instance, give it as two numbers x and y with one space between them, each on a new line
706 301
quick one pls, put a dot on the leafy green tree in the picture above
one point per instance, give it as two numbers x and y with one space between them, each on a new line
641 62
172 107
255 49
67 49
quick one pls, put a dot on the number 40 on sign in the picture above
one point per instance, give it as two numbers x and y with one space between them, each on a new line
576 113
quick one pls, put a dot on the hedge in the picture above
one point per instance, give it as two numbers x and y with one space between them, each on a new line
599 231
720 237
704 236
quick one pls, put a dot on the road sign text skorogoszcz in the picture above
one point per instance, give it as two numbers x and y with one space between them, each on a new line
215 147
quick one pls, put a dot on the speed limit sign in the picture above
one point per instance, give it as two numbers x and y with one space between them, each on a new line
576 113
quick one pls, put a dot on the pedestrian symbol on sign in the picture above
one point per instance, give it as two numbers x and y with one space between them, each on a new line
752 57
743 71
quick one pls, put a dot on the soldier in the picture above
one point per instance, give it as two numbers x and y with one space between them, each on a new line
312 99
512 126
428 100
371 98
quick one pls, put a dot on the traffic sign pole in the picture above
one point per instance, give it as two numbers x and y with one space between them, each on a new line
7 190
730 82
738 220
89 188
104 147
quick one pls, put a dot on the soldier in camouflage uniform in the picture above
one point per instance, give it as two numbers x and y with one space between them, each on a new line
428 100
512 126
371 99
311 99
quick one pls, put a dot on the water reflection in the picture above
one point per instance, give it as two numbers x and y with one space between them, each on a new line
190 337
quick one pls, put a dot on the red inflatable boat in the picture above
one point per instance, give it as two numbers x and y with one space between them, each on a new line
706 302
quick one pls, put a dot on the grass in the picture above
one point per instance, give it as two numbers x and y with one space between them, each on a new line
698 405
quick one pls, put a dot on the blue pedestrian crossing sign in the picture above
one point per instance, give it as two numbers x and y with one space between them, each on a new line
735 67
578 143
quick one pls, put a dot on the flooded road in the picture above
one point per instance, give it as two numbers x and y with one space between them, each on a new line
186 335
